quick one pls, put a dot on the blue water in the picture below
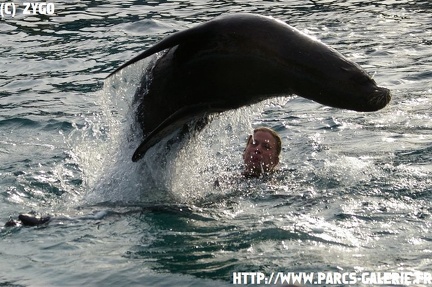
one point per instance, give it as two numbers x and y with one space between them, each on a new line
353 192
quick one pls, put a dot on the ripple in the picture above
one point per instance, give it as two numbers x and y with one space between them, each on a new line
354 189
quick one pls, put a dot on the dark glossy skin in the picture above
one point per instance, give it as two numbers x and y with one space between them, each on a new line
238 60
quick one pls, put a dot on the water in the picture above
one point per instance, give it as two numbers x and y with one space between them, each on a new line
353 192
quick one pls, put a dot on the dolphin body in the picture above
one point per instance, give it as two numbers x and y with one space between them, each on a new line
241 59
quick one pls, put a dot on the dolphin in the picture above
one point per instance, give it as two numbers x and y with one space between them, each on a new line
240 59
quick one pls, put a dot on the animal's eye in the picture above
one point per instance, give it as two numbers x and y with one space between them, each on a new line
363 79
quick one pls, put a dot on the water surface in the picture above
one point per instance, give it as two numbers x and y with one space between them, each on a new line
353 192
